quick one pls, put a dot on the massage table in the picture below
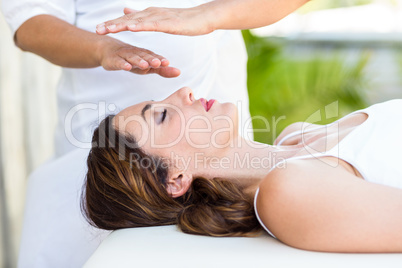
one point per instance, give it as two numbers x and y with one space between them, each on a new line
168 247
55 234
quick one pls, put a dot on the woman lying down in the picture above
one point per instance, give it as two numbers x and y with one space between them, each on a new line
181 161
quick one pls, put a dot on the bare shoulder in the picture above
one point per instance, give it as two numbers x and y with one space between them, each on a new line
291 174
312 205
280 192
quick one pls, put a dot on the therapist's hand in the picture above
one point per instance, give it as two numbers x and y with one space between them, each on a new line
180 21
116 55
203 19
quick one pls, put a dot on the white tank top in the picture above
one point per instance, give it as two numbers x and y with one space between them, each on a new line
373 148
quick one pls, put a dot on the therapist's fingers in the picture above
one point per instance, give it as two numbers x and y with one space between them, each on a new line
167 72
137 65
137 62
117 25
151 60
143 58
116 63
116 55
167 20
146 62
180 21
128 10
154 60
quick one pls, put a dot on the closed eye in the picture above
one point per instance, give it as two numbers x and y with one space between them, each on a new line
163 115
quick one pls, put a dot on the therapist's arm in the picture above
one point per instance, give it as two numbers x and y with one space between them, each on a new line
205 18
68 46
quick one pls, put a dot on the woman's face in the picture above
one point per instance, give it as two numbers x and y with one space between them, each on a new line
181 126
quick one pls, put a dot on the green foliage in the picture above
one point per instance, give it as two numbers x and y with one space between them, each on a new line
398 54
284 90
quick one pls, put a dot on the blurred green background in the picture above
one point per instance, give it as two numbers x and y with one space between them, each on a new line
285 89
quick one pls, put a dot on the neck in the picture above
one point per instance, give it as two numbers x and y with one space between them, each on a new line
247 162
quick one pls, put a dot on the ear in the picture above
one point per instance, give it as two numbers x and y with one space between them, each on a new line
178 183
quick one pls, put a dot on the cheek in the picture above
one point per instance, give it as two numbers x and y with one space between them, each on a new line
165 139
172 134
223 133
198 133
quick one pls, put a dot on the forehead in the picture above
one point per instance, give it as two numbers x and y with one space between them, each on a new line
130 120
134 109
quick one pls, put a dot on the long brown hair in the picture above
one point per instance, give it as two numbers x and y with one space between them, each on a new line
125 187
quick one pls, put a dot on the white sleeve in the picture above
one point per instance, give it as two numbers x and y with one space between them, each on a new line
17 12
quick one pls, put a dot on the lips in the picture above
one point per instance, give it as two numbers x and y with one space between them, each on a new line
207 104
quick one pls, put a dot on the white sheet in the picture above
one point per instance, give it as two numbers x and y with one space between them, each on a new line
55 234
168 247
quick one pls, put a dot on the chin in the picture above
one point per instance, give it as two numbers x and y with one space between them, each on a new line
234 112
227 109
230 109
230 112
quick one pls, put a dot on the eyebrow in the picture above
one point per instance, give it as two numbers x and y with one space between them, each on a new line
146 107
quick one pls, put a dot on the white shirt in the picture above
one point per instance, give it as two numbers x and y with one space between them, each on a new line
213 65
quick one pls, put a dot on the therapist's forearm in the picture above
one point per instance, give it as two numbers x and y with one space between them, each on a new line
68 46
60 42
247 14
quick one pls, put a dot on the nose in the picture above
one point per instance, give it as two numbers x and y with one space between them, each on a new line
186 95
